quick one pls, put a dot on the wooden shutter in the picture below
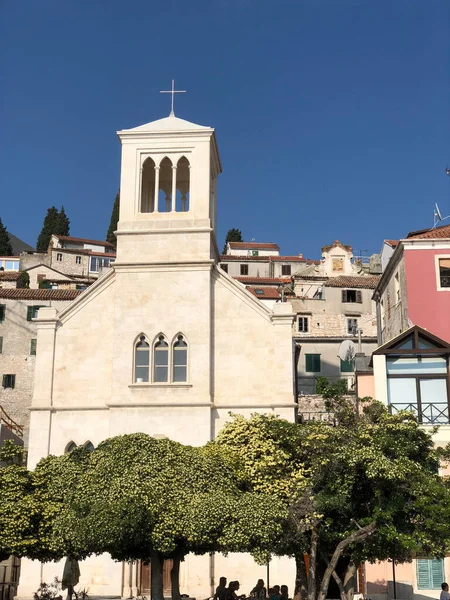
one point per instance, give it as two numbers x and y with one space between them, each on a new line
33 346
2 312
30 312
309 363
359 296
437 573
316 363
1 345
423 574
344 295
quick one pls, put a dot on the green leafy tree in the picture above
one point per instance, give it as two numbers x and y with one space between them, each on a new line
233 235
62 225
5 244
110 236
24 280
366 489
49 227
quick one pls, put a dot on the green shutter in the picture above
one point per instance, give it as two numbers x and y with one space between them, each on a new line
423 575
30 311
437 573
33 347
346 366
1 345
312 364
430 574
2 312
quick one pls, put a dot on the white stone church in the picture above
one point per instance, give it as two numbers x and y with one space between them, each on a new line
165 343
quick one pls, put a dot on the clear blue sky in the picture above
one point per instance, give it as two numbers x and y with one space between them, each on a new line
332 116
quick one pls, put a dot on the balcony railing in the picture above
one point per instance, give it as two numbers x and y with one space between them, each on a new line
430 413
9 423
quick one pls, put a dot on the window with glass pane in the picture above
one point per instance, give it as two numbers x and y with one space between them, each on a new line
402 394
141 361
161 361
180 360
434 402
444 272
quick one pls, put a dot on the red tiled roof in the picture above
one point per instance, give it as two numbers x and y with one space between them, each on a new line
267 292
68 238
430 234
229 257
9 275
347 281
263 280
83 252
253 246
393 243
24 294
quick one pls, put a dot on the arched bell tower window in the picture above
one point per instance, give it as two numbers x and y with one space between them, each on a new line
141 360
89 446
160 360
179 360
183 185
165 189
148 186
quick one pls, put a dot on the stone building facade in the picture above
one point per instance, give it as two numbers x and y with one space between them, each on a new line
18 347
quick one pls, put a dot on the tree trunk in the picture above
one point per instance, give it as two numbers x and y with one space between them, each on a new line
312 565
157 563
350 580
175 579
337 579
301 581
357 536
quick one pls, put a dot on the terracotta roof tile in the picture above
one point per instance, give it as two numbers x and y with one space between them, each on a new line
68 238
42 294
264 292
9 275
263 280
393 243
230 257
347 281
254 246
430 234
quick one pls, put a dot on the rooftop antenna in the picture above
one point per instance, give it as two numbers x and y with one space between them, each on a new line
437 214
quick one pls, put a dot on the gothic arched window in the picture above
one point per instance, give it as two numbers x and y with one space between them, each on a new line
70 446
179 360
148 186
89 446
141 360
165 187
183 184
160 360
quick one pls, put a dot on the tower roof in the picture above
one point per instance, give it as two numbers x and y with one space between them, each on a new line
170 123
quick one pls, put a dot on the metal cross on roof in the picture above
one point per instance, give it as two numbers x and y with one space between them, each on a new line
173 91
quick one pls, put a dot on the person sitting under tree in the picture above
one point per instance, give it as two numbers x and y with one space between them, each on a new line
259 591
221 589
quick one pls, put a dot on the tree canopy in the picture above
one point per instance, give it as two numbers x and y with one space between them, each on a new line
55 222
110 236
233 235
5 243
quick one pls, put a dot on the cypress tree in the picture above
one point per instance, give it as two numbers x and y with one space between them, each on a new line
5 244
110 237
49 227
233 235
62 223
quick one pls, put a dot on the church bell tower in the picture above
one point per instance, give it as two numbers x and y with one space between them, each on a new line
168 192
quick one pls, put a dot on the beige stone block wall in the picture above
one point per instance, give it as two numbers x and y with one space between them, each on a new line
68 264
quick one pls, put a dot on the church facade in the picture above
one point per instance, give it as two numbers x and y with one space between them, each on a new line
165 343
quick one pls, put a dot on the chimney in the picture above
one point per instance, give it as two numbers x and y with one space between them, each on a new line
300 255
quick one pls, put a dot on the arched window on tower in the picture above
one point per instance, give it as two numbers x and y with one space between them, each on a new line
141 360
183 185
161 360
148 186
165 185
89 446
179 360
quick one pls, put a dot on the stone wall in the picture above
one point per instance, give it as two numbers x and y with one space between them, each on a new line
68 264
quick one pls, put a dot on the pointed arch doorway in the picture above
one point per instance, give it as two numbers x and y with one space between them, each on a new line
145 578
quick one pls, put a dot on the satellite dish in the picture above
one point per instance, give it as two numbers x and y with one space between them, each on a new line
347 350
437 212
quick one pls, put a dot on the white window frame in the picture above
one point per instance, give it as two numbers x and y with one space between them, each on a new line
307 323
59 257
348 325
438 257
